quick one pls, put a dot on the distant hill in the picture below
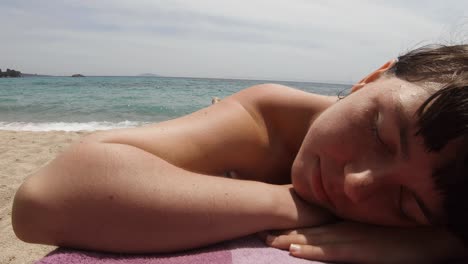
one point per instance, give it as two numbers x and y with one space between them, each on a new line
148 75
34 75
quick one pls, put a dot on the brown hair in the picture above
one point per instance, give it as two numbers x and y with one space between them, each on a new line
443 118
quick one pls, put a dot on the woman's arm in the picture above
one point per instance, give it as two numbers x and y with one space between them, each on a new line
119 198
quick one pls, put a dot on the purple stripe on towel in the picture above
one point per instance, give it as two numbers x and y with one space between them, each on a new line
253 251
214 254
247 250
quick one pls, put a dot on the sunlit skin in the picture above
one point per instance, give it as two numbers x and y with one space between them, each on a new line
368 172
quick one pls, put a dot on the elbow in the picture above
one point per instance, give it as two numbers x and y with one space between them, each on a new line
23 216
32 217
45 205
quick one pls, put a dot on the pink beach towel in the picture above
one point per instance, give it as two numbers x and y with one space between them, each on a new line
248 250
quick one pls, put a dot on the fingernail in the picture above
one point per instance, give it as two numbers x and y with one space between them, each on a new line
294 248
270 239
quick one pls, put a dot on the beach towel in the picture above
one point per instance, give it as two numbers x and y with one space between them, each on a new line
247 250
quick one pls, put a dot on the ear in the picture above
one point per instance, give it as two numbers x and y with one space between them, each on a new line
373 76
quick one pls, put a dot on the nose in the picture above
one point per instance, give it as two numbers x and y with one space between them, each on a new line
359 185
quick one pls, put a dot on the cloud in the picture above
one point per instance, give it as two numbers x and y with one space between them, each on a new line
283 39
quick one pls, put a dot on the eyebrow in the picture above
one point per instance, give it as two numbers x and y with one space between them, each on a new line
403 124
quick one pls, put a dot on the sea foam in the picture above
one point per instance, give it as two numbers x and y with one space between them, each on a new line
64 126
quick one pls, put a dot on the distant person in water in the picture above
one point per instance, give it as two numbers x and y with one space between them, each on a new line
214 100
381 175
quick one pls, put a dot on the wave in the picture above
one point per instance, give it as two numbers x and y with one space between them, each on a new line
65 126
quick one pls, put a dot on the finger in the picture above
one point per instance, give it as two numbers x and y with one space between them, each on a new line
284 241
312 231
315 235
333 253
342 254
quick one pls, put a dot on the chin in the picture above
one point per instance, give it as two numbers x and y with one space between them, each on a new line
302 188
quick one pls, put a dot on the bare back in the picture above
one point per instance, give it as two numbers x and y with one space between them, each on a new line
255 133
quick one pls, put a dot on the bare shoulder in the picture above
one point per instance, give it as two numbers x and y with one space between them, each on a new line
284 115
270 96
271 93
284 111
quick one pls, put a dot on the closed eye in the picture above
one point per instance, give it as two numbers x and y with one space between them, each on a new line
410 208
375 130
400 205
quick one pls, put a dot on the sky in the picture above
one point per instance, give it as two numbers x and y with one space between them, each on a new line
299 40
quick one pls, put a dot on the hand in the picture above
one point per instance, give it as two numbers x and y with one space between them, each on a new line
360 243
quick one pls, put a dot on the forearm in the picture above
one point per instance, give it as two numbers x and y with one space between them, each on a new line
190 210
132 201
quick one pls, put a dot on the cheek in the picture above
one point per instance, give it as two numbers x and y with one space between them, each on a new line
336 136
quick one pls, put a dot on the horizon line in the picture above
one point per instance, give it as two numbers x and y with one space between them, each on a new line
193 77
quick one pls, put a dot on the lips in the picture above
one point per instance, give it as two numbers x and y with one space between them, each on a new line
318 187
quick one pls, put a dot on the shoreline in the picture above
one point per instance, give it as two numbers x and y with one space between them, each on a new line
22 153
86 127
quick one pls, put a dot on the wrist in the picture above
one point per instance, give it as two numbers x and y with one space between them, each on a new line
290 211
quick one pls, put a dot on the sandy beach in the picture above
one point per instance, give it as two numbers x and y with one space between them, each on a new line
22 153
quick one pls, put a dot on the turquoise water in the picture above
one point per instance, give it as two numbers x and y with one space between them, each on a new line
90 103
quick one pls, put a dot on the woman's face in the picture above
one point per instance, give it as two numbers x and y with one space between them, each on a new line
362 160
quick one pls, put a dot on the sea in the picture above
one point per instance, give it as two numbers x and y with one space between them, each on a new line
100 103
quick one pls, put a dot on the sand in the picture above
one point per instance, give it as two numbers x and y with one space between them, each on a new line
22 153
